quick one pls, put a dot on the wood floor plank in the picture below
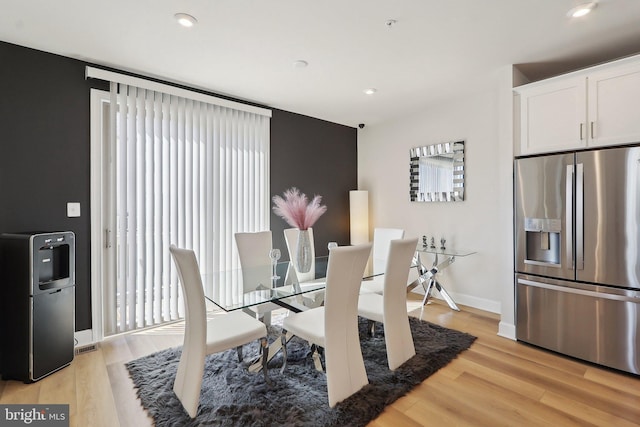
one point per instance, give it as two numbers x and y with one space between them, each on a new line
59 388
116 350
432 409
392 417
16 392
488 408
456 367
140 345
563 372
500 378
405 402
622 381
93 391
124 394
532 410
542 357
585 412
478 410
600 396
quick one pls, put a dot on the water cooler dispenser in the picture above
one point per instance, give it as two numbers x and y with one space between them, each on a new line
37 300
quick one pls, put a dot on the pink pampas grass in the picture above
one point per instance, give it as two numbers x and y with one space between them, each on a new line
296 210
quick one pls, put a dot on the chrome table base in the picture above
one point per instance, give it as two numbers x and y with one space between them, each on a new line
427 277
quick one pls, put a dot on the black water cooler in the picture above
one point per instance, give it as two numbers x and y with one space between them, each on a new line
37 300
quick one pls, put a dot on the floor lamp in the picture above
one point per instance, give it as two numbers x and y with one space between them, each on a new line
359 216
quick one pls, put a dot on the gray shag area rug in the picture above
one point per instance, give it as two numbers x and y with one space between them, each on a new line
232 396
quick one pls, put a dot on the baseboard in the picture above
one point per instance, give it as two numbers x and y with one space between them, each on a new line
475 302
468 300
507 330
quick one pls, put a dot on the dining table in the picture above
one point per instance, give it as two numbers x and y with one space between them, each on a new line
278 284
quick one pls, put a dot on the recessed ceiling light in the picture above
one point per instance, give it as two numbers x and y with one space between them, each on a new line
370 91
300 63
581 10
185 19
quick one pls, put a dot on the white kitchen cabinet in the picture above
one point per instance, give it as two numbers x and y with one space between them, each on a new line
593 107
550 116
614 106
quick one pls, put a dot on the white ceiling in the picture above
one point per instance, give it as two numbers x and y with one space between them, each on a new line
438 49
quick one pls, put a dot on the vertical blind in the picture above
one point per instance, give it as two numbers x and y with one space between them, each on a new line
188 173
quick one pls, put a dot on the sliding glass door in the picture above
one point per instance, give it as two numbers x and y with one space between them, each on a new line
177 171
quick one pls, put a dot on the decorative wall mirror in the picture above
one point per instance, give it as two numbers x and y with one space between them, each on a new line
437 173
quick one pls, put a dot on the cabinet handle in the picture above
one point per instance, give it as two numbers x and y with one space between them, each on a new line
592 134
581 125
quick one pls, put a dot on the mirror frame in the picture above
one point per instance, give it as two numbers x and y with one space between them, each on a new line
453 150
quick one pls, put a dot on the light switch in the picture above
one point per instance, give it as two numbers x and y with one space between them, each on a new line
73 209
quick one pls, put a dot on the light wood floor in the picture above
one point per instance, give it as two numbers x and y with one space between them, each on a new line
497 382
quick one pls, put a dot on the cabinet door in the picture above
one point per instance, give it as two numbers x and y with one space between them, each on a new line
614 106
553 116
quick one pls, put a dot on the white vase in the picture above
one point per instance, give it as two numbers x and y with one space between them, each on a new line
303 255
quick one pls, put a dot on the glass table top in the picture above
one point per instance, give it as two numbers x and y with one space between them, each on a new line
446 251
226 289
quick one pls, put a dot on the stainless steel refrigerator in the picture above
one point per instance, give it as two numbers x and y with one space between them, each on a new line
577 246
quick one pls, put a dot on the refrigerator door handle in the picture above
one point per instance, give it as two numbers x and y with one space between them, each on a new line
604 295
569 216
579 216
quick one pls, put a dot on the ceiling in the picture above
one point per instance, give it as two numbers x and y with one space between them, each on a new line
437 49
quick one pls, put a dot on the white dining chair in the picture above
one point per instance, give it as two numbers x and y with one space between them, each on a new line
255 263
309 299
334 326
382 238
390 308
204 336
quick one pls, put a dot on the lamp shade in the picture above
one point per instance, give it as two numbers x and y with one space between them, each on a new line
359 216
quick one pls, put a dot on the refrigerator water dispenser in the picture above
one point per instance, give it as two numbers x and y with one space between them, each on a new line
543 241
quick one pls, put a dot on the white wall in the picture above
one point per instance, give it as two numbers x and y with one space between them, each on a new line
482 222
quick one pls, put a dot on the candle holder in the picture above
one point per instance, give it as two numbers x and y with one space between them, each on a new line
274 254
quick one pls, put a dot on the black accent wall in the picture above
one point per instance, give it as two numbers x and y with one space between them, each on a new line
45 158
317 157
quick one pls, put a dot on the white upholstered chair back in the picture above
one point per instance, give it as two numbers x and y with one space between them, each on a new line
381 240
191 366
398 338
345 367
253 249
202 336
